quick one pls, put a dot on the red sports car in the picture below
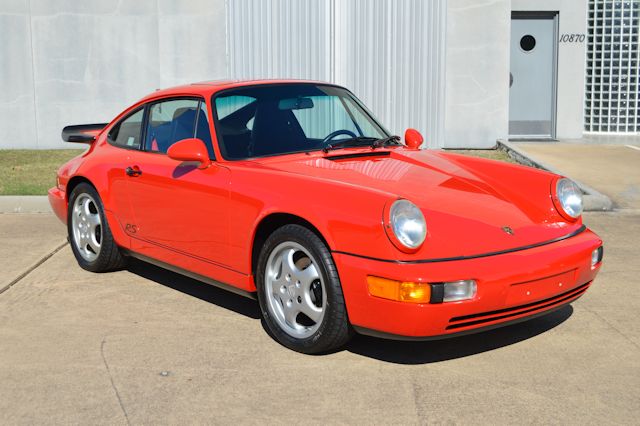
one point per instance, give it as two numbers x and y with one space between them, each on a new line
293 192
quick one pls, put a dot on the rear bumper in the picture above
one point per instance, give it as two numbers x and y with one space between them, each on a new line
512 287
58 201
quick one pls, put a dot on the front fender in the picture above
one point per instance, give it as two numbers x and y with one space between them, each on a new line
349 218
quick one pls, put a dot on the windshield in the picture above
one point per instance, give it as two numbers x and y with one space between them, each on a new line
269 120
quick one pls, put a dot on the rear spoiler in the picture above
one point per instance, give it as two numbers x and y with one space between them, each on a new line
82 133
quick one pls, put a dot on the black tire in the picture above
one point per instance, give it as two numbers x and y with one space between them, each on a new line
333 330
109 258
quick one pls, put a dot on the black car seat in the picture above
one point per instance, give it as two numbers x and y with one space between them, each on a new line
275 130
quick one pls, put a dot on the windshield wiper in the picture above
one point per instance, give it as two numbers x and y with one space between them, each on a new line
385 141
361 141
352 142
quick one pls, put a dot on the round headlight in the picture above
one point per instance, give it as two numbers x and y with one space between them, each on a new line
408 224
570 197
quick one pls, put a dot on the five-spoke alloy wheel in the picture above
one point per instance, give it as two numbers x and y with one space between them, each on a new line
89 234
294 289
300 293
87 227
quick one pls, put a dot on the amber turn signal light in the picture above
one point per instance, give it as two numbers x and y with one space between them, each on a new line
401 291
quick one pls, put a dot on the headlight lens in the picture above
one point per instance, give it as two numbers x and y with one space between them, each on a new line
570 197
408 224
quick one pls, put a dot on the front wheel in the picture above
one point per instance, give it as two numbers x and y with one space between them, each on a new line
300 293
89 234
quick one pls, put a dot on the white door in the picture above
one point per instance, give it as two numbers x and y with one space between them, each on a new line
532 94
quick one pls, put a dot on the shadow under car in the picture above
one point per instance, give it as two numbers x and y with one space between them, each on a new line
393 351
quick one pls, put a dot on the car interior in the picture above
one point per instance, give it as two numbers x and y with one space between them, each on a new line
236 132
162 134
249 131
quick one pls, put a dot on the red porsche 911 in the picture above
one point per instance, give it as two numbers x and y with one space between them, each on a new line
292 192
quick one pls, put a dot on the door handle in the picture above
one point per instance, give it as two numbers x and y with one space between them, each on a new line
133 171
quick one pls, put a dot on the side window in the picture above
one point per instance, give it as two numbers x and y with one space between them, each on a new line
170 122
126 134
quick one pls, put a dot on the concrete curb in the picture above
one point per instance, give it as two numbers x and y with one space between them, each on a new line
24 204
593 199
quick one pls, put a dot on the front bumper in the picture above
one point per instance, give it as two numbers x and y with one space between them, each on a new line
511 287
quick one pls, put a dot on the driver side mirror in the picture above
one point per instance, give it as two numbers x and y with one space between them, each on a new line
191 149
413 139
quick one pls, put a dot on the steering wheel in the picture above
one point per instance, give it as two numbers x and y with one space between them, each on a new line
332 135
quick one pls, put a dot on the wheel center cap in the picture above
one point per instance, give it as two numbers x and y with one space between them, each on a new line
292 290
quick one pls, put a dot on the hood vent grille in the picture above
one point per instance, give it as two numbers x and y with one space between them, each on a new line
358 155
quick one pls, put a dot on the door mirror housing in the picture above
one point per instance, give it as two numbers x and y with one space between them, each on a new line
191 149
413 139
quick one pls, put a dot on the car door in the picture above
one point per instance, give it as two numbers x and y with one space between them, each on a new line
124 138
181 212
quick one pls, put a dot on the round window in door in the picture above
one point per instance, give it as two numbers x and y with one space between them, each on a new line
527 43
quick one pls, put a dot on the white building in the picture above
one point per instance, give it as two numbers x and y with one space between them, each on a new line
463 72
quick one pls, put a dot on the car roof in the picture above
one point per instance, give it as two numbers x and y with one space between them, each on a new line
207 88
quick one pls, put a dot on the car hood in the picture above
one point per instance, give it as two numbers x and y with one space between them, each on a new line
472 206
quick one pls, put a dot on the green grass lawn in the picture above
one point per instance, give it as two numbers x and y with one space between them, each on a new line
31 172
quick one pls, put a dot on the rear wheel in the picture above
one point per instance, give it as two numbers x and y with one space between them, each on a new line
89 234
300 293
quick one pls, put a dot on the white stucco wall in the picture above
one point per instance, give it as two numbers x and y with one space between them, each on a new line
440 66
67 62
17 108
572 19
477 72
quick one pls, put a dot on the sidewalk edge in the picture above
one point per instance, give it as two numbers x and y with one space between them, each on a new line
24 204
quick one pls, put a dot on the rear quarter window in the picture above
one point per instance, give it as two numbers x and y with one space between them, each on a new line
126 134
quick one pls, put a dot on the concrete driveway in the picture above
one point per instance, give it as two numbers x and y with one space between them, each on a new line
148 346
27 241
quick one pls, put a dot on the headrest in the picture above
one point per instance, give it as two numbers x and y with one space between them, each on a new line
178 112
